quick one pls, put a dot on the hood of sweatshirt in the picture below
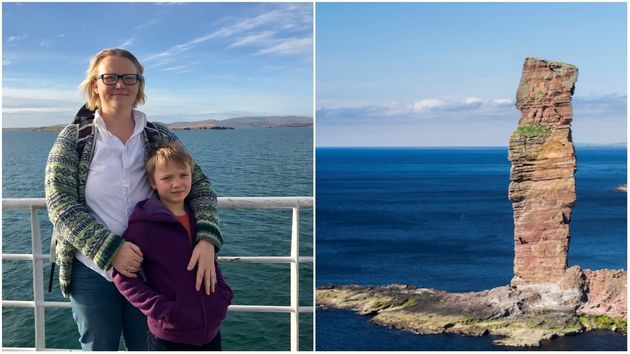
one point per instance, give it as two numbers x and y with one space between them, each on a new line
154 210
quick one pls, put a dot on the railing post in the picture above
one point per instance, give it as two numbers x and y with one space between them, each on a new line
295 280
38 282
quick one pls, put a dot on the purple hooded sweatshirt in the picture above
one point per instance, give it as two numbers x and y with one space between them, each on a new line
175 311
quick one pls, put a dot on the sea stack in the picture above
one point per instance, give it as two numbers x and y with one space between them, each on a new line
542 177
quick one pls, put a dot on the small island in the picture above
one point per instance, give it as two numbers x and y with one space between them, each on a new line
200 128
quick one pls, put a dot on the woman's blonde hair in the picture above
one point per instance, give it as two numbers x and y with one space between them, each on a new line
87 86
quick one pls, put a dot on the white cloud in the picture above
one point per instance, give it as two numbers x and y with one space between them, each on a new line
282 17
17 38
503 101
466 104
127 43
34 110
10 94
434 108
471 100
254 39
289 46
427 104
180 48
181 69
38 107
175 68
149 23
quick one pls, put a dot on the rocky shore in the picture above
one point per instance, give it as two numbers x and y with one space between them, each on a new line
521 315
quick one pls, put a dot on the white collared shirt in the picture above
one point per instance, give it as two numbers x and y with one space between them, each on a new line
116 180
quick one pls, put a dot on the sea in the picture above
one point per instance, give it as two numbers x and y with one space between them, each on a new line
252 162
440 218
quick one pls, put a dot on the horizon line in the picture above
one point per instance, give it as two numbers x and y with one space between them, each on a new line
620 144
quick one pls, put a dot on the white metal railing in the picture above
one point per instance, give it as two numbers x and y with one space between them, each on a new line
36 256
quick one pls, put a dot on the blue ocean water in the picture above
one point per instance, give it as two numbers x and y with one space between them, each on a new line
440 218
240 162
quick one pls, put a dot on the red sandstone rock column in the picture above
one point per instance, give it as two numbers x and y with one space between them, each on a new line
542 187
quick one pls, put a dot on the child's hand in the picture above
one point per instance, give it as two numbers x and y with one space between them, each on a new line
203 257
128 259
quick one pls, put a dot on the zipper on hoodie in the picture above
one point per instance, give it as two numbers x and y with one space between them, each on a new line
188 238
204 318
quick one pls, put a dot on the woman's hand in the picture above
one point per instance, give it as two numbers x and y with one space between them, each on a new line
128 259
203 257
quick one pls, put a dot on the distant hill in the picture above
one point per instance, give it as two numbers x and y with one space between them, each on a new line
231 123
247 122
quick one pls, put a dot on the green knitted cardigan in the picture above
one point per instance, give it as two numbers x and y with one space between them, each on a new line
74 226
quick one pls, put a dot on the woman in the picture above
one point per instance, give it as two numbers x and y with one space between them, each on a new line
91 195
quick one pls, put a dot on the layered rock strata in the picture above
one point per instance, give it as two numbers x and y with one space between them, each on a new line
542 183
605 293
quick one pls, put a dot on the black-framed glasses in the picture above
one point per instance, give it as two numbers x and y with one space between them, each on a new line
112 79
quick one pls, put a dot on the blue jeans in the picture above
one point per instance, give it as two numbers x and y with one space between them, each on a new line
102 313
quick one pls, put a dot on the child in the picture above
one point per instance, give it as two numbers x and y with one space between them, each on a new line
178 316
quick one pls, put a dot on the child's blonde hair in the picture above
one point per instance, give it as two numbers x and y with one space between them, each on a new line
169 152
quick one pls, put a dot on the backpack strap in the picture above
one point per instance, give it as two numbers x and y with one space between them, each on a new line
84 120
153 134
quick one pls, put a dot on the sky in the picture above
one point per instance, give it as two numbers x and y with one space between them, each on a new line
201 60
446 74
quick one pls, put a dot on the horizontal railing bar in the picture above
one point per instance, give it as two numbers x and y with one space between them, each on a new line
274 309
265 202
223 202
23 257
25 349
20 349
231 308
23 203
226 259
31 304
